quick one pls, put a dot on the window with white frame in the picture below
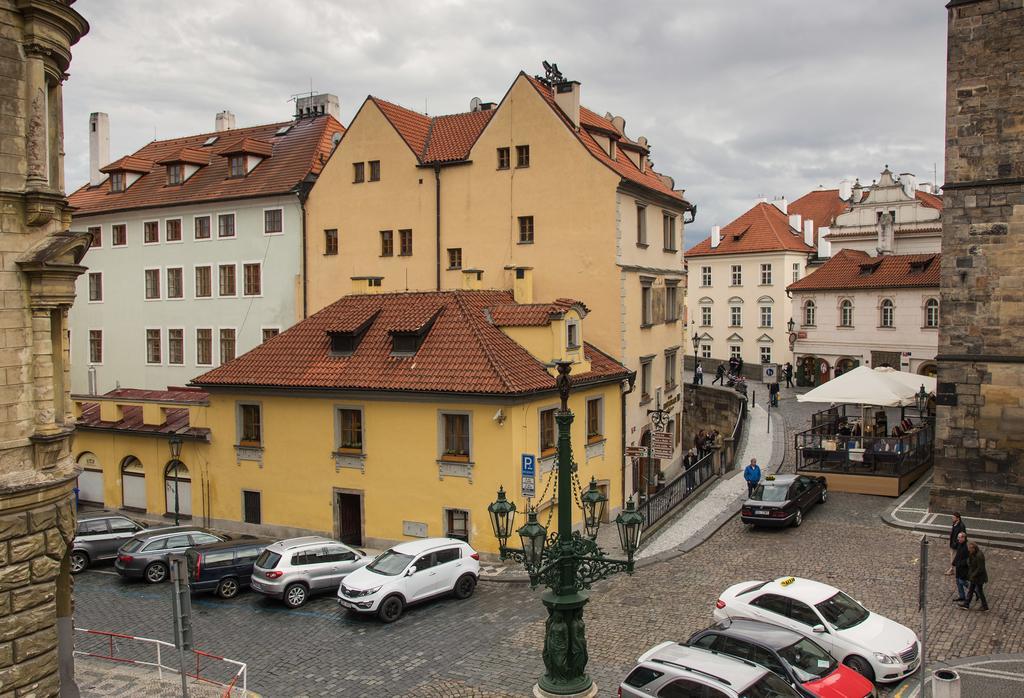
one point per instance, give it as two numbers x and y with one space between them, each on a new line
705 316
734 351
270 332
705 351
95 346
252 279
846 313
152 284
886 313
796 272
176 346
151 232
273 221
766 274
172 230
227 345
226 277
204 282
766 316
736 275
175 282
154 354
931 312
766 354
201 225
95 286
735 316
226 225
809 312
705 276
204 346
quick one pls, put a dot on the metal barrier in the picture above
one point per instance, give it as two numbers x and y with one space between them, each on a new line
117 647
659 504
737 434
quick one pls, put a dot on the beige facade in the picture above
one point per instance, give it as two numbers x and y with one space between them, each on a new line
463 221
37 287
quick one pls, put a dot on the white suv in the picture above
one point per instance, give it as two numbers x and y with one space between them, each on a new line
409 573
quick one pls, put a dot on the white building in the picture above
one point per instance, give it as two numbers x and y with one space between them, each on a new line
197 247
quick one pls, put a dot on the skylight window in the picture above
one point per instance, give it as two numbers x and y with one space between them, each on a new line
211 140
283 130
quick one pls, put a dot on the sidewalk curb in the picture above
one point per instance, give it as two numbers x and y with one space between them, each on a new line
942 532
914 681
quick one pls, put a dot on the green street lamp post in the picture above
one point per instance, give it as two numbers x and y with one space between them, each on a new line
175 445
566 562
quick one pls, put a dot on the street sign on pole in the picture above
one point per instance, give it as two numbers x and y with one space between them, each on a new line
769 373
636 451
181 602
661 444
922 604
529 475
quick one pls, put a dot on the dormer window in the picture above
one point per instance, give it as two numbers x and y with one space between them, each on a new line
117 181
245 155
175 173
345 342
406 342
236 166
572 335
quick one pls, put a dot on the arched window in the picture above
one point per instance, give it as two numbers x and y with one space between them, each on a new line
886 313
177 489
133 484
809 309
846 313
931 312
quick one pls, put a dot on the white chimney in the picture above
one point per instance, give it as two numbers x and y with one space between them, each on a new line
794 221
99 146
845 189
781 204
567 97
225 121
926 187
809 232
909 183
824 246
317 105
716 236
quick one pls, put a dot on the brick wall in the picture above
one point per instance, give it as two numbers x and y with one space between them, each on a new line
979 468
710 407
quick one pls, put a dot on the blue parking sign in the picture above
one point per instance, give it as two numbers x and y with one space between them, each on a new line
529 465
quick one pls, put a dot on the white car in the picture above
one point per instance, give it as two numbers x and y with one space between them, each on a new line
870 644
409 573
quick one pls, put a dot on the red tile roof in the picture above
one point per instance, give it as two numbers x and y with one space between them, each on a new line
176 419
129 163
435 139
851 269
183 394
531 314
193 156
764 228
462 353
929 200
822 206
247 145
295 154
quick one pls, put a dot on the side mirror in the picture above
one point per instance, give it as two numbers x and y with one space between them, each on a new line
411 571
819 629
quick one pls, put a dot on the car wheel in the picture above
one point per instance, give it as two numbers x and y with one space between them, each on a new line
228 588
861 666
156 572
464 586
824 496
79 561
295 595
390 609
799 518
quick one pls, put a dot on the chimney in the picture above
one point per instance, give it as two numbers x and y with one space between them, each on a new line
781 204
809 232
824 246
366 285
856 192
909 182
522 287
794 221
472 279
716 236
99 146
317 105
845 189
225 121
926 187
567 97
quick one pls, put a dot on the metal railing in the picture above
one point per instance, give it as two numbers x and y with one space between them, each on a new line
144 651
892 456
737 434
659 504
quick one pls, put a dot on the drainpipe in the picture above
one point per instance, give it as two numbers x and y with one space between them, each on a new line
632 384
302 192
437 223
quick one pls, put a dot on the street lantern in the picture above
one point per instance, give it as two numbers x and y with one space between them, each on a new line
533 535
922 399
696 344
503 513
174 443
594 504
629 522
790 325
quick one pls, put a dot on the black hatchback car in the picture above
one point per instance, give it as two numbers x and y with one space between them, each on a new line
224 567
782 500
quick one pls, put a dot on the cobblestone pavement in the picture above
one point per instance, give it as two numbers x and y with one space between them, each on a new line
99 678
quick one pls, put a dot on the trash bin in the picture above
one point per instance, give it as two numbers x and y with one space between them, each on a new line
945 684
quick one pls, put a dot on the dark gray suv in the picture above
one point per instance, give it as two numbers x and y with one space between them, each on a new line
98 537
145 555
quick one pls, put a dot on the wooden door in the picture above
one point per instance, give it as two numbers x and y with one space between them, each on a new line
350 518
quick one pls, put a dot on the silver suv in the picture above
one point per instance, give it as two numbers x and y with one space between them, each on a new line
98 537
294 569
671 669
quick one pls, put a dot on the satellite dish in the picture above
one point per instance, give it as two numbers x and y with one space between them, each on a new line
336 138
474 104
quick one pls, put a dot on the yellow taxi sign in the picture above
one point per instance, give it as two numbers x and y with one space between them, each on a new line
787 581
770 477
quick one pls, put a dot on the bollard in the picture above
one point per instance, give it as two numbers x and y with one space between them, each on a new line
945 684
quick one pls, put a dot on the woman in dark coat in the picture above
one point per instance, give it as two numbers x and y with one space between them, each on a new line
977 575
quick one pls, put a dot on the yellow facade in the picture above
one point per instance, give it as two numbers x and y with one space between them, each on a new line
401 484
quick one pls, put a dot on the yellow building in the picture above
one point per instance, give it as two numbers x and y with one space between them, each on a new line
536 185
383 417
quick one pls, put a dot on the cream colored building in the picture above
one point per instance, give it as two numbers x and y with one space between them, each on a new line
535 190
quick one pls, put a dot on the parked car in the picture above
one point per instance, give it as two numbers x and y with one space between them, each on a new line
872 645
146 554
98 537
782 500
671 669
410 573
797 659
294 569
224 567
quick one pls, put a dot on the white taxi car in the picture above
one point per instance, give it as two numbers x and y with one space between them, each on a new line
879 648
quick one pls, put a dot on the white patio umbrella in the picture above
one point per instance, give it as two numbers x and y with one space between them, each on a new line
882 386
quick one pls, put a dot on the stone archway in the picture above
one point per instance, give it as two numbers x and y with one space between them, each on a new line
928 368
133 484
90 479
178 489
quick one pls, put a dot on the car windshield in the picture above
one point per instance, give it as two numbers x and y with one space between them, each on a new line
807 660
268 560
389 563
842 611
132 545
770 492
770 686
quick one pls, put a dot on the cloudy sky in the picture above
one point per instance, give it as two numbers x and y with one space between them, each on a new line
738 98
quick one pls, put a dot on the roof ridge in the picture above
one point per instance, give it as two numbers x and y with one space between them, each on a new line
485 346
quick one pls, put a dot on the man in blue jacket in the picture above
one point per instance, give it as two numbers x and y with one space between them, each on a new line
752 474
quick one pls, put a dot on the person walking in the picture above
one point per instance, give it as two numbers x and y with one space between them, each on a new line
788 371
977 575
960 567
954 532
752 474
698 375
719 375
773 394
733 363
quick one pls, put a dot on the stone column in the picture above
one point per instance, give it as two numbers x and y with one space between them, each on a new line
42 372
35 99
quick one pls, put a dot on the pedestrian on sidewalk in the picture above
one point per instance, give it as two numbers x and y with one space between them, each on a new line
773 394
960 567
788 372
719 375
752 474
977 575
698 375
955 531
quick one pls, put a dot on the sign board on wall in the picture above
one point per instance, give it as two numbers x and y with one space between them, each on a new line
529 475
661 444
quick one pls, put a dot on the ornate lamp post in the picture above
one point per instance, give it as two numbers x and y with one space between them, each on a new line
922 400
175 445
566 562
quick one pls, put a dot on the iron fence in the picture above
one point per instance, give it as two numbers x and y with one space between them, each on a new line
659 504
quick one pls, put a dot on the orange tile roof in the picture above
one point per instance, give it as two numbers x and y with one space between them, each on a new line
852 269
176 420
189 154
129 163
435 139
929 200
462 352
821 205
301 151
764 228
248 144
531 314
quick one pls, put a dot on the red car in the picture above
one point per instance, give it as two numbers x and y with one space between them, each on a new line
797 659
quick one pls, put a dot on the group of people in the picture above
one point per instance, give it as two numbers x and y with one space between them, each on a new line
968 566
